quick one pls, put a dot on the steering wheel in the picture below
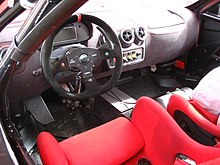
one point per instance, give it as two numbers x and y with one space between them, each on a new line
83 58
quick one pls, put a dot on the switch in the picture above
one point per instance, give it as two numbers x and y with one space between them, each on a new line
138 54
129 57
112 62
134 56
125 60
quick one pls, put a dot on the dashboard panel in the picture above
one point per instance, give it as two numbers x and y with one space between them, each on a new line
167 35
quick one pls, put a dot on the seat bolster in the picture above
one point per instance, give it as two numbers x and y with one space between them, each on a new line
111 143
179 103
212 118
50 150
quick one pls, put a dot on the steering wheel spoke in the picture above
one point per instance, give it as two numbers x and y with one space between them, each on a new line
107 53
91 85
58 64
95 55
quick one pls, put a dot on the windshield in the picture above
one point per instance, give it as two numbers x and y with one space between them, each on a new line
97 5
94 5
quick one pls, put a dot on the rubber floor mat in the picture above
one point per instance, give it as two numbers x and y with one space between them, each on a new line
144 86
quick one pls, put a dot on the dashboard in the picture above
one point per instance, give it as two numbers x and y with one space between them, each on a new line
147 36
155 35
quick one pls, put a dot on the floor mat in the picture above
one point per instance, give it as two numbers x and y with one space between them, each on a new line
144 86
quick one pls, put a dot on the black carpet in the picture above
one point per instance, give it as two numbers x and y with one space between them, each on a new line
72 123
69 122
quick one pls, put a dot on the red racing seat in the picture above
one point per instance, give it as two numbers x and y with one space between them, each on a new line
195 113
151 134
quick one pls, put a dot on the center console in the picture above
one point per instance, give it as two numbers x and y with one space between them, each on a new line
133 46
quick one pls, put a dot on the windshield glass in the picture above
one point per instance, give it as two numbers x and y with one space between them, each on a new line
97 5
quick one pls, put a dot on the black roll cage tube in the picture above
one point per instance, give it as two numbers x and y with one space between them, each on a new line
10 14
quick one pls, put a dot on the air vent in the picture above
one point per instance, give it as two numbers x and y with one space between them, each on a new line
126 37
140 35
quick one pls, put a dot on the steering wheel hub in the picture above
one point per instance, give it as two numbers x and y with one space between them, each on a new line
84 59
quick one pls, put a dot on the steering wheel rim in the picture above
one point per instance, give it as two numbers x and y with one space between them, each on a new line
92 87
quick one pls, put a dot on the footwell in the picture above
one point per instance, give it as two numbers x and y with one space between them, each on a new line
72 123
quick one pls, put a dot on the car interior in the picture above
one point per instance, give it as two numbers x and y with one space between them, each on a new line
106 82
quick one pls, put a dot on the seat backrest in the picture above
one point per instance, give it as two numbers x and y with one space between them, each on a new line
178 103
163 137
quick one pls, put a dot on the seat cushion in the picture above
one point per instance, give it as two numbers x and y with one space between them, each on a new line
111 143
